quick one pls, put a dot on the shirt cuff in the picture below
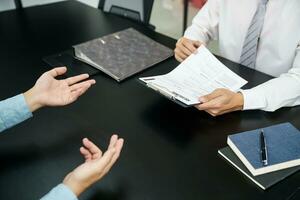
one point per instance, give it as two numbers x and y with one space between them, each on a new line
60 192
253 100
192 35
13 111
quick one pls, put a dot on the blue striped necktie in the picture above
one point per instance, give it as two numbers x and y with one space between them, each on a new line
249 52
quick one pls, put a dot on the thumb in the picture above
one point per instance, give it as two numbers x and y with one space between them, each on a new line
209 97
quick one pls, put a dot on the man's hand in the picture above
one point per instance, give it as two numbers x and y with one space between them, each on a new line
221 101
96 165
185 47
51 92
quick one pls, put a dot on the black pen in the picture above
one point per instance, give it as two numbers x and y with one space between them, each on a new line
263 148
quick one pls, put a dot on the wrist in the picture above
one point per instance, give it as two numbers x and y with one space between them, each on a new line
75 186
32 100
239 101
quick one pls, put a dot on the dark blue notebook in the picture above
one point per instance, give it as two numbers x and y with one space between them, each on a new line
283 146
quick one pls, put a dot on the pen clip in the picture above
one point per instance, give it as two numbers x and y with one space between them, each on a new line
263 148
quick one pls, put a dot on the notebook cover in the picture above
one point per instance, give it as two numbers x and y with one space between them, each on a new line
122 54
263 181
282 146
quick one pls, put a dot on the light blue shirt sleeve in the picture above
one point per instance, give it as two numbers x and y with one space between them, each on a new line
60 192
13 111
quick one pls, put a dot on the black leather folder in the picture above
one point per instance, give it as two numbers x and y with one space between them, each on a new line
75 67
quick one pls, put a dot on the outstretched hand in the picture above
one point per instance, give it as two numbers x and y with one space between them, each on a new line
96 164
49 91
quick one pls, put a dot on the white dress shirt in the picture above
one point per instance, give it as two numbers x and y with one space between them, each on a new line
278 52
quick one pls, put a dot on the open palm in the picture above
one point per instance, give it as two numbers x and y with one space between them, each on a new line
96 164
49 91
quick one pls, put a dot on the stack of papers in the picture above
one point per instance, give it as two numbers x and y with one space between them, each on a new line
198 75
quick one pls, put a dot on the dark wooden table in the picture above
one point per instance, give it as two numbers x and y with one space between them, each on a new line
170 151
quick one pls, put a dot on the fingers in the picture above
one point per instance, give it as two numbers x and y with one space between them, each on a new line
116 143
74 95
212 111
102 164
118 147
106 159
76 79
91 151
221 101
190 46
86 153
180 57
211 101
57 71
92 148
216 112
181 51
113 141
225 104
82 85
212 104
210 96
112 154
184 48
77 93
197 44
